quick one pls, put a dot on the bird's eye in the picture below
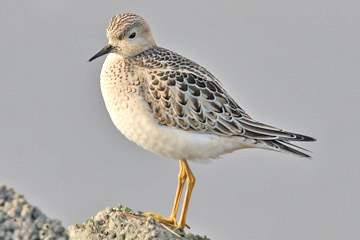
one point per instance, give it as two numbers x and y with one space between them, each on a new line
132 35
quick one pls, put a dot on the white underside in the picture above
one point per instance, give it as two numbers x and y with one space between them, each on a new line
130 114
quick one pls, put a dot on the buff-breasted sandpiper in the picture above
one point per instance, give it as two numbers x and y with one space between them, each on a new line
173 107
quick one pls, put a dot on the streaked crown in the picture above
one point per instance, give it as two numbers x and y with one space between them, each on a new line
129 34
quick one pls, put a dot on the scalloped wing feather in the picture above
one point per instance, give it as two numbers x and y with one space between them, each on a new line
182 94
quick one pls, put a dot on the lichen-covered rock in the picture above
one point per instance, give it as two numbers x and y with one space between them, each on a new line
123 224
20 220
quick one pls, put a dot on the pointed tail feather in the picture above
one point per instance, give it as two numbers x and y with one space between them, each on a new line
287 147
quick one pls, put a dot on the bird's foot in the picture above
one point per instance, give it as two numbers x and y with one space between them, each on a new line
171 222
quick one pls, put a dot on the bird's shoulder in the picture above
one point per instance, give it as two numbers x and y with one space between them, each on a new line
162 59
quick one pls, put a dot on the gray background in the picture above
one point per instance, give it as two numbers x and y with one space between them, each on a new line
292 64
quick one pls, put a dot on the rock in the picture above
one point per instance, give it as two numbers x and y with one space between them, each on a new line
20 220
122 223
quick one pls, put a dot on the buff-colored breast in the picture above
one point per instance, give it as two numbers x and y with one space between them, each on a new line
121 85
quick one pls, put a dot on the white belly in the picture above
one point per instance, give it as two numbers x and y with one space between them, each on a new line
131 115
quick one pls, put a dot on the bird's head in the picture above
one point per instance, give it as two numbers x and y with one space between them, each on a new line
128 34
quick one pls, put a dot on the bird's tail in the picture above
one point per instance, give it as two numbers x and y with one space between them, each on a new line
285 146
275 138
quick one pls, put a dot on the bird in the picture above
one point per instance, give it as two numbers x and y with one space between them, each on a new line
173 107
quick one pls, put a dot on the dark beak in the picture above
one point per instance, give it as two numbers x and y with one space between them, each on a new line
107 49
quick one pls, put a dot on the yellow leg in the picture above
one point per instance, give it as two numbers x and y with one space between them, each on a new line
179 190
190 185
184 174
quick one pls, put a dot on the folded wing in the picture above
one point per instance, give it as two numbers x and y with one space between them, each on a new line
193 101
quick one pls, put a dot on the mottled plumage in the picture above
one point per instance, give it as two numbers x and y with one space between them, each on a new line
172 106
182 94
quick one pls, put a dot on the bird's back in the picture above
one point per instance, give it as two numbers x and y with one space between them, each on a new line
175 94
